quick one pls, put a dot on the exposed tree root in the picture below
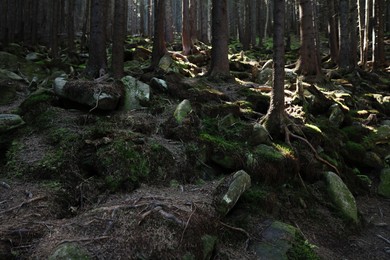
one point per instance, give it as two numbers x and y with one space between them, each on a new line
22 204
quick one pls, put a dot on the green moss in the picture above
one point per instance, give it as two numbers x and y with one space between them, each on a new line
209 243
220 142
123 164
38 97
302 250
268 153
356 132
355 150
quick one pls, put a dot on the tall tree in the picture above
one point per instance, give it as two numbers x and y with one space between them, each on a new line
274 119
70 24
118 37
344 51
188 26
308 62
159 47
97 62
332 25
219 68
378 34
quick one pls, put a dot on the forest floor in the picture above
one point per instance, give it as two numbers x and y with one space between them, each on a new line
134 184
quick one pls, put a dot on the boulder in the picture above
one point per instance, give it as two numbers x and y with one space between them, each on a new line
159 84
6 75
280 241
165 63
341 197
104 96
9 122
230 190
336 115
7 92
8 61
384 185
372 160
182 110
70 251
259 135
137 93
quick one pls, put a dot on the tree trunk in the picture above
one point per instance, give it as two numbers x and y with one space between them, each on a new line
159 48
97 62
353 32
118 37
169 22
273 121
4 22
333 39
187 27
366 32
378 35
361 29
219 68
308 63
70 25
54 29
204 17
344 43
253 19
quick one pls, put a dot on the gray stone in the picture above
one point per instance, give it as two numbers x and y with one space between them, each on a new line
9 122
373 160
69 251
230 190
259 135
8 61
384 185
159 84
104 96
341 197
6 74
265 76
336 115
278 241
137 93
182 110
165 63
32 56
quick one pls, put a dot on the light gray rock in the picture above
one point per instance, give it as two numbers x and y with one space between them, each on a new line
182 110
341 197
336 115
230 190
137 93
9 122
6 74
159 84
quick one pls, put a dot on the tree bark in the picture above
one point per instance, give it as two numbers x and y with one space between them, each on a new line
378 35
333 39
71 6
367 27
344 43
308 63
118 37
353 33
159 48
274 118
219 68
97 62
169 22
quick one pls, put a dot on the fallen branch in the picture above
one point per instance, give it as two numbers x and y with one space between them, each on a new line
22 204
185 228
384 239
235 228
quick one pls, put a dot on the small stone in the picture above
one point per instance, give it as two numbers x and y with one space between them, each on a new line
182 110
70 251
384 185
336 116
9 122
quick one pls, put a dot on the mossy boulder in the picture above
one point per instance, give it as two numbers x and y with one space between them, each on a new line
341 197
384 185
209 242
137 93
182 110
230 190
9 122
281 241
8 61
70 251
